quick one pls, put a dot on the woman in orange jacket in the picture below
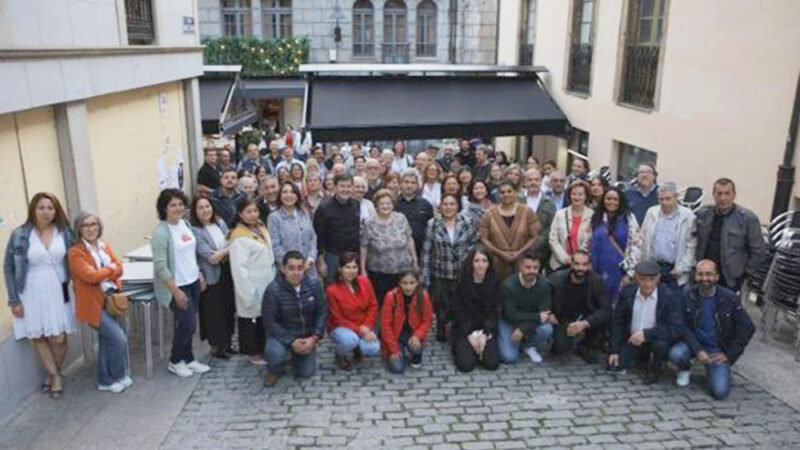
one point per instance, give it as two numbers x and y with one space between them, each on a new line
95 270
353 312
406 318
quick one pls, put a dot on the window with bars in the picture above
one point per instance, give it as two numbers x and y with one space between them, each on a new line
643 41
580 49
426 28
363 28
139 21
528 24
630 158
277 18
237 20
395 32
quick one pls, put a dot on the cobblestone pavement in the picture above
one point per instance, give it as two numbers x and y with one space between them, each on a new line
562 403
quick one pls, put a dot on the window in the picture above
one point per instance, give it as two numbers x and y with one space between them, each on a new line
578 143
526 41
630 157
236 18
580 49
277 18
363 28
139 21
426 28
645 27
395 40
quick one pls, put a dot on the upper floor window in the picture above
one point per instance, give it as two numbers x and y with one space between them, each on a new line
426 28
363 28
630 158
237 18
527 33
643 42
139 21
395 32
277 18
580 49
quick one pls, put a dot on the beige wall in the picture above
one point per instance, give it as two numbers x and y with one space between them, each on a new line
30 163
727 86
128 133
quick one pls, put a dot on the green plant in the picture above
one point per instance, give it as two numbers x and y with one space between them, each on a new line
258 56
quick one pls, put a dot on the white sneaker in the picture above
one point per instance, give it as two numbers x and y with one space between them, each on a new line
534 355
197 367
180 369
684 378
116 388
127 381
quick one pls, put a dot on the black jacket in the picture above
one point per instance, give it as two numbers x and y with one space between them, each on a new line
669 326
418 211
288 315
337 225
734 327
476 308
596 309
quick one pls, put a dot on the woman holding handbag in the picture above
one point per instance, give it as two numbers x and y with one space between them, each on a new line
95 272
571 229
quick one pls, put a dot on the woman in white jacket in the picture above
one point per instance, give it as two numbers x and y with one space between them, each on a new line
571 229
253 269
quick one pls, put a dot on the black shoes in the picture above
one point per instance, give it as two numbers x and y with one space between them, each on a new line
441 331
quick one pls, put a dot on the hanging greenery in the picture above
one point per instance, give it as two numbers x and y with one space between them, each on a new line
258 56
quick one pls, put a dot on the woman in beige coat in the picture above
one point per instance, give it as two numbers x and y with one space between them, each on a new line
571 229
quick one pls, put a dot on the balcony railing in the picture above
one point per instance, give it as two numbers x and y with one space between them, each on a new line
139 20
526 54
394 53
639 75
580 67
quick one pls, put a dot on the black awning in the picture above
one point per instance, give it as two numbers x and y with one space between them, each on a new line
366 108
264 88
222 109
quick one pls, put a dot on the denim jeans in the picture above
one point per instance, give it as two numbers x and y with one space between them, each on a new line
509 350
399 365
112 353
347 340
719 375
185 324
277 354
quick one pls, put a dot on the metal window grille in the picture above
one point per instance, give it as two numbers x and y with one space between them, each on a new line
139 20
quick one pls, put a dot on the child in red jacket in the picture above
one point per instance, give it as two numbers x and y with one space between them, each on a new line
406 318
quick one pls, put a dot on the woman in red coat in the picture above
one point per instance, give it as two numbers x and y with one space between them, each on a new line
353 312
406 318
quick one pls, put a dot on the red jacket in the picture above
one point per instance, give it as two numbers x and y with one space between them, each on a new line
393 317
86 279
352 310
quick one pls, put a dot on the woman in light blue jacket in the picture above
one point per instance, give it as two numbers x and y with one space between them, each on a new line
290 228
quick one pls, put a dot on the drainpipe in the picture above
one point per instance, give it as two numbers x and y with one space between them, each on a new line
451 46
785 181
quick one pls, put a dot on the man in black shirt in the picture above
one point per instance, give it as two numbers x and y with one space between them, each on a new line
483 167
581 311
417 210
465 154
226 197
208 175
337 224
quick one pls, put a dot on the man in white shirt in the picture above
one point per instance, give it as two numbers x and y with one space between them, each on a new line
647 321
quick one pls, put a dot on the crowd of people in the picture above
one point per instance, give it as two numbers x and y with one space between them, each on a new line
375 247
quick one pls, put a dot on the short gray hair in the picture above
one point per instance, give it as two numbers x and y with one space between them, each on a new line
668 187
410 173
82 216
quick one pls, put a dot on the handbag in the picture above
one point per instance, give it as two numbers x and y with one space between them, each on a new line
116 304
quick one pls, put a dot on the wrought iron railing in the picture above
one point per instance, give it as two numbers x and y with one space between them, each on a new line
139 20
580 67
526 54
639 75
394 53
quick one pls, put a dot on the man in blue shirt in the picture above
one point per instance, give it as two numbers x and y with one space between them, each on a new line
644 194
716 333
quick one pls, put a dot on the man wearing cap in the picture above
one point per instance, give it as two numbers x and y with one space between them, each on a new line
717 331
647 320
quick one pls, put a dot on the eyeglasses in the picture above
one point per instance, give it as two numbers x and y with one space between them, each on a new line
90 225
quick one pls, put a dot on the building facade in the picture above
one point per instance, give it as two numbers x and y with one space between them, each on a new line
701 89
99 104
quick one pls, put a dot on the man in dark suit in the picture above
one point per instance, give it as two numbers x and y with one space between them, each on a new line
647 321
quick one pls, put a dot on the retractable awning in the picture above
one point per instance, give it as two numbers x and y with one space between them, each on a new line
262 88
223 110
341 108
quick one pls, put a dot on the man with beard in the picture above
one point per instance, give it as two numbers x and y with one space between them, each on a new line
581 311
227 196
717 331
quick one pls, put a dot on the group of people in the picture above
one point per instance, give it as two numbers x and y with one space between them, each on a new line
374 248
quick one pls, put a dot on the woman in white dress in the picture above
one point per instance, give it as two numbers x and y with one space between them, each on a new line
37 278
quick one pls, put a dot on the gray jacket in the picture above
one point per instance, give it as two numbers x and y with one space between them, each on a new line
205 248
15 263
741 241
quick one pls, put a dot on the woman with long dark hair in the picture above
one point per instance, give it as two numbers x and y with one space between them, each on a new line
475 311
616 242
406 318
290 228
597 189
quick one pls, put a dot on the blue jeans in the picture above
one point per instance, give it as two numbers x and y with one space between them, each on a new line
185 324
509 350
719 375
112 353
347 340
399 365
277 354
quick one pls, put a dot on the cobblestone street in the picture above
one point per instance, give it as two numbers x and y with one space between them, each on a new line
563 403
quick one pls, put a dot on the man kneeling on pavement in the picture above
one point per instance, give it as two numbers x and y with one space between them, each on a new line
716 333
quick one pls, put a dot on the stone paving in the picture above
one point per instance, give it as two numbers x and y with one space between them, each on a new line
563 403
